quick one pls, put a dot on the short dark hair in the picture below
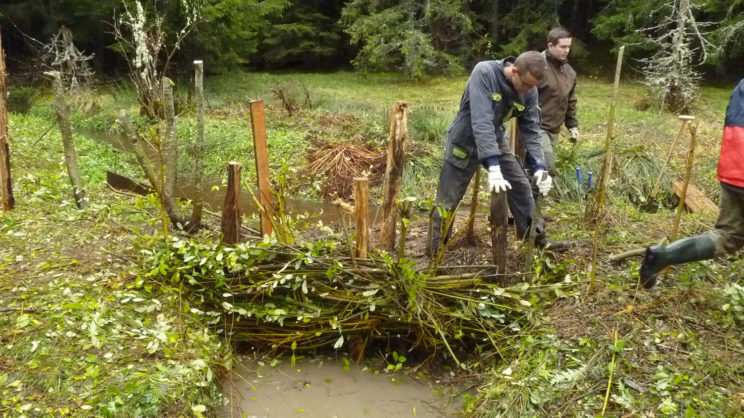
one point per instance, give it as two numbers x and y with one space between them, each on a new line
557 33
531 62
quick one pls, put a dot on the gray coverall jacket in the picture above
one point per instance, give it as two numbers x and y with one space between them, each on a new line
489 100
476 137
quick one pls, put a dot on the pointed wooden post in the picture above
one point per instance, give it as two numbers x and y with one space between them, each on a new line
231 208
393 172
6 184
361 206
260 146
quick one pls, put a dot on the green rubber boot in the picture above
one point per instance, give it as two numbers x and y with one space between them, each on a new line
701 247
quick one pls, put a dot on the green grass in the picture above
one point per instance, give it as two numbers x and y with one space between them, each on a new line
78 335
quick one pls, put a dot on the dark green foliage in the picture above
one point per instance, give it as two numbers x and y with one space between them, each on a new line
307 34
407 36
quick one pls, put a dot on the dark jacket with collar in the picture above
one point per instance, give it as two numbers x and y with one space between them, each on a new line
489 100
558 96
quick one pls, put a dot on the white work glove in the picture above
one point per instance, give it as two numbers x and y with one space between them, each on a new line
574 134
496 182
543 181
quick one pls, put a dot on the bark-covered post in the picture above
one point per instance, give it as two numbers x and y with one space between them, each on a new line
198 201
361 211
688 174
170 141
260 147
499 226
65 129
393 172
231 208
6 184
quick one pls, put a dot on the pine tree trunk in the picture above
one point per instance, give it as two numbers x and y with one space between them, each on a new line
63 122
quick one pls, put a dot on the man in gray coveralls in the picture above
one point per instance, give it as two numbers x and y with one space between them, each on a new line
496 91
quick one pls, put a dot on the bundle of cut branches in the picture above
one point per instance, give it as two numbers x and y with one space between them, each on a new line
312 296
340 163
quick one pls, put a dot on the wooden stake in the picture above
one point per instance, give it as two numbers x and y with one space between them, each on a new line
685 119
595 209
688 174
260 146
361 206
498 230
65 129
231 208
170 141
516 141
198 201
6 184
393 172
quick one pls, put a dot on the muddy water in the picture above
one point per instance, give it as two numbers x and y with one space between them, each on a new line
325 387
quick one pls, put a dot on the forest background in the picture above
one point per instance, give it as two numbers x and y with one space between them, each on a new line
417 38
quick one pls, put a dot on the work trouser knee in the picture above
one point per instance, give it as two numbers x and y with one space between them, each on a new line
729 233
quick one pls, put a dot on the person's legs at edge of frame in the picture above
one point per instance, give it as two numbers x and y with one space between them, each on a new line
727 238
453 182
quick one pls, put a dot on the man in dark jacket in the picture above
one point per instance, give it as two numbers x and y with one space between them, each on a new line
557 96
728 237
496 92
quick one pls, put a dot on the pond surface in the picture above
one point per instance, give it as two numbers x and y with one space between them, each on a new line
326 387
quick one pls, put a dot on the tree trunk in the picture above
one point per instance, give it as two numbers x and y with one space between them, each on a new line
393 173
6 184
198 201
63 121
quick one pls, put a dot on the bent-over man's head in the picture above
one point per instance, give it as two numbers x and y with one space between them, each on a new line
527 72
559 43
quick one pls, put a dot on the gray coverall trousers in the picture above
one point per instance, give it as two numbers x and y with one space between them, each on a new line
453 182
